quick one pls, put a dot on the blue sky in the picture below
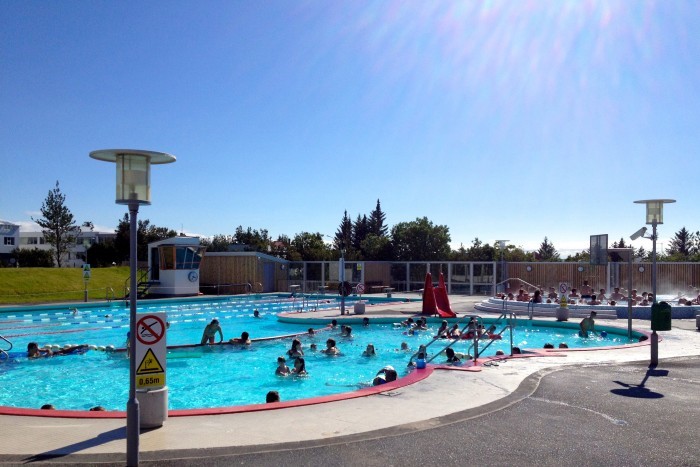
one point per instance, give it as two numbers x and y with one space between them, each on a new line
500 119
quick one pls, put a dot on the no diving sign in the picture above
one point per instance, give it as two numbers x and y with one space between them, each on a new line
150 350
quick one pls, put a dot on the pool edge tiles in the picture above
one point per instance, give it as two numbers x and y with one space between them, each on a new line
411 378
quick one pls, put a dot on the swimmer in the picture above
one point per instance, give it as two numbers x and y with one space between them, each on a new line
365 322
74 311
407 323
369 351
282 368
563 345
451 357
33 350
346 332
548 345
313 347
587 325
243 340
210 332
299 367
404 347
455 332
330 349
443 331
334 324
311 332
256 313
272 396
296 351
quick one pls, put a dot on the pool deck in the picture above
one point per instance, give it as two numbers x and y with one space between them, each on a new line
449 392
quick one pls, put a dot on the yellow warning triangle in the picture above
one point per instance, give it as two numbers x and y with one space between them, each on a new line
149 364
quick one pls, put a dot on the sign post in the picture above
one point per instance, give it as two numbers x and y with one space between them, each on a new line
87 274
150 354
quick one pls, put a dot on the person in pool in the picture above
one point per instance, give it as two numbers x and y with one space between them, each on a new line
299 367
256 313
587 325
444 330
451 356
209 334
243 340
346 332
296 351
282 368
33 350
330 349
369 351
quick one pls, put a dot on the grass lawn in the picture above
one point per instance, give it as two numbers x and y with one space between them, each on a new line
46 285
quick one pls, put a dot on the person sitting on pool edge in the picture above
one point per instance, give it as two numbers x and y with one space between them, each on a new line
209 334
243 340
33 350
587 325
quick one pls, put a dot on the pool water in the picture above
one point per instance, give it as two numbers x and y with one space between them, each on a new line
221 376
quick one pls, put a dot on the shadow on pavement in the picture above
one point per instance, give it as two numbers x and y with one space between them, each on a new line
639 390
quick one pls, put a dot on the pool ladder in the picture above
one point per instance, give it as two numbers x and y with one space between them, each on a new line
5 351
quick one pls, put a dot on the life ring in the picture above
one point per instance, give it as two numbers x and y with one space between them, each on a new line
344 288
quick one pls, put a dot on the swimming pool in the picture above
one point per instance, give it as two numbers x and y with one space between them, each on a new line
217 376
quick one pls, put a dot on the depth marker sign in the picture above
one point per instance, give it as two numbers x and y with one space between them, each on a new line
151 350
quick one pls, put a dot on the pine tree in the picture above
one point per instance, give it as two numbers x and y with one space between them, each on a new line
683 243
58 225
376 221
343 236
360 229
547 252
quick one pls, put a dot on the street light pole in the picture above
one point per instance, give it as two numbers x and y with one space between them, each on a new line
133 189
342 281
133 414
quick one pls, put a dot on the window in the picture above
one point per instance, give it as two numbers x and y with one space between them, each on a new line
32 240
180 257
9 240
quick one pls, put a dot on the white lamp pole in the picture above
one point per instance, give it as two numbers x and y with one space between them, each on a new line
133 189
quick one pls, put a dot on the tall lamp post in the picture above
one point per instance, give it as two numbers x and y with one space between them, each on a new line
133 189
655 216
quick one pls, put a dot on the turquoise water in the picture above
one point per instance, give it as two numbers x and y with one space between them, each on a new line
217 376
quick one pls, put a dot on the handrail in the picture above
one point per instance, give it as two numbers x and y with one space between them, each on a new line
109 294
454 341
516 279
5 351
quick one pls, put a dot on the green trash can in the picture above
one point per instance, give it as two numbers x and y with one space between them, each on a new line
661 317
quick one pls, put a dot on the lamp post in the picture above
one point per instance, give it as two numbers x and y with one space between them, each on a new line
502 247
133 189
655 216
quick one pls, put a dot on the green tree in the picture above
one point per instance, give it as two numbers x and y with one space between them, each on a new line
360 229
103 254
547 252
682 245
145 234
58 224
377 248
480 251
32 258
254 240
219 242
308 246
377 221
343 236
421 240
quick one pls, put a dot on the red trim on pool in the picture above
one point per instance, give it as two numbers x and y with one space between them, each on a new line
411 378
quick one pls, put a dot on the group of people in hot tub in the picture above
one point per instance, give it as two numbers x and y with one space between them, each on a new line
586 295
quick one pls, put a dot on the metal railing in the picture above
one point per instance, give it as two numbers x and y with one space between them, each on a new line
5 351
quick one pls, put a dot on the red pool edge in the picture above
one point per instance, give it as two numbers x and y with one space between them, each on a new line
413 377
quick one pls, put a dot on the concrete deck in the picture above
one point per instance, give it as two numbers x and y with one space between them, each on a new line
448 392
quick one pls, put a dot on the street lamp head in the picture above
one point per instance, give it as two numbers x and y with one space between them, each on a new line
133 172
655 209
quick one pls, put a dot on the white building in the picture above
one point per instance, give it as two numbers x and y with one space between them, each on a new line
9 240
173 267
76 255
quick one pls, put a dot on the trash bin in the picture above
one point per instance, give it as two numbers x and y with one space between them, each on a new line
661 317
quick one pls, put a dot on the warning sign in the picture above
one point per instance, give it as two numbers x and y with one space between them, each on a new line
149 364
150 329
151 350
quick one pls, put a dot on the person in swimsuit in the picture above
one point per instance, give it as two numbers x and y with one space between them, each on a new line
587 325
210 331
